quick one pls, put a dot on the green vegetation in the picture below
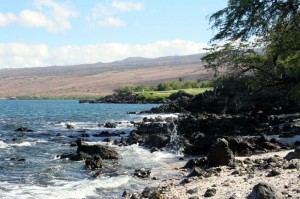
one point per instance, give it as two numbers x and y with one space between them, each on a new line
262 44
166 89
170 86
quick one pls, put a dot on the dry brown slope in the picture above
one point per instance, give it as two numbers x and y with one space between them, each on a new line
97 80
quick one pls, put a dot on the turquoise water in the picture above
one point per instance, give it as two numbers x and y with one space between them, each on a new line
29 167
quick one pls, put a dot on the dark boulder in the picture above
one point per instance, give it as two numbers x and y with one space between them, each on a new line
142 173
105 152
75 156
239 146
198 143
110 125
210 192
264 191
93 163
23 129
293 155
220 154
70 126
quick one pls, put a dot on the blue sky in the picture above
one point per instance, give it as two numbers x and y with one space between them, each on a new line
38 33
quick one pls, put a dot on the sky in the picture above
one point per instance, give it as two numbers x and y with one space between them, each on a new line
36 33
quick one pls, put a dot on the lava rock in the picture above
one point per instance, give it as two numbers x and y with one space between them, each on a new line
220 154
105 152
293 155
93 163
210 192
142 173
110 125
23 129
264 191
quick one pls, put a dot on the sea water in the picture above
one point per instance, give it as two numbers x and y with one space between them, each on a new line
29 163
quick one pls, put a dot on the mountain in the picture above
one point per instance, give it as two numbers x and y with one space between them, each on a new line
99 78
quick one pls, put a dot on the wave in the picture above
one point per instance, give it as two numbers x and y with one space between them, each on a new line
63 189
3 145
21 144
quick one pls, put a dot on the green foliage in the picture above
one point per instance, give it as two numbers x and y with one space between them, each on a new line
169 85
124 90
273 58
206 84
242 19
153 96
190 84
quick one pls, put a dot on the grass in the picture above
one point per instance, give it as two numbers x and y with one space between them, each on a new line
161 95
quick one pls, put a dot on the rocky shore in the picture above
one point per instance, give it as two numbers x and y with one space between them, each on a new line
122 99
234 143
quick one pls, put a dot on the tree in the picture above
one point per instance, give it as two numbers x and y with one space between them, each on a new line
273 58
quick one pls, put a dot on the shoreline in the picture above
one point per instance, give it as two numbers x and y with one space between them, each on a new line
230 185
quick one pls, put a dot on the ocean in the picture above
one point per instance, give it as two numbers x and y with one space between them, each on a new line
30 166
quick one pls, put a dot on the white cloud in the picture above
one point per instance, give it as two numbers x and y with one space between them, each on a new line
107 14
7 19
111 21
48 14
127 6
19 55
31 18
57 14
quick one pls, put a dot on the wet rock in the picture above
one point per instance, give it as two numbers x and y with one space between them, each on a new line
197 171
154 149
84 135
102 134
264 191
297 143
293 155
73 144
128 195
105 152
110 125
142 173
93 163
23 129
70 126
220 154
190 164
75 156
210 192
147 191
108 140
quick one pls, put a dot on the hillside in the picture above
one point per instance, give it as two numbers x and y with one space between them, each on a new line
99 78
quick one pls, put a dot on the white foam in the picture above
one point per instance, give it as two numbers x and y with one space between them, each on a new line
63 189
3 145
163 116
135 156
22 144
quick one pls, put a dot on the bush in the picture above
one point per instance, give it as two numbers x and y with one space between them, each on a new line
124 90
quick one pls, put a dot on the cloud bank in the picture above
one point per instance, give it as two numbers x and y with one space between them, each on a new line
107 15
48 14
21 55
